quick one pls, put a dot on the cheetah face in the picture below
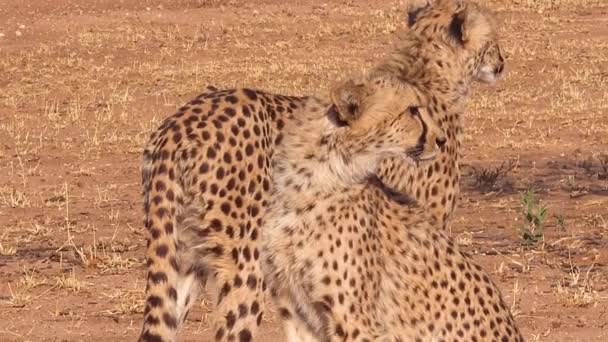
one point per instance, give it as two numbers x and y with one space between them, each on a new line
385 119
468 29
491 65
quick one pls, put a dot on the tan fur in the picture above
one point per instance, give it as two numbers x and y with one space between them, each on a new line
206 184
345 260
441 66
204 224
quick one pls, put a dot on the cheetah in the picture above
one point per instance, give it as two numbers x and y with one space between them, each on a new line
206 184
346 258
450 44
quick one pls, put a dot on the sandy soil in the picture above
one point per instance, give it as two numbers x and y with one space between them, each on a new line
83 82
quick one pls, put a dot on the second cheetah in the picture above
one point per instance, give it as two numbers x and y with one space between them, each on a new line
346 259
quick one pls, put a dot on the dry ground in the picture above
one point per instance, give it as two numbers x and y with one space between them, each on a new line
83 82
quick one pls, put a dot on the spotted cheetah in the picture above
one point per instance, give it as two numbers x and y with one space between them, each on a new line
345 258
206 183
455 43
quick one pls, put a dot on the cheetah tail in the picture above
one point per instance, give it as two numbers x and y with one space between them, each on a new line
161 316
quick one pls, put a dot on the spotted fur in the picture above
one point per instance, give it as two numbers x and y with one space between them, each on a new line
206 180
206 184
451 44
346 259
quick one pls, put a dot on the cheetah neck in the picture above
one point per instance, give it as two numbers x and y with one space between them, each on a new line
315 159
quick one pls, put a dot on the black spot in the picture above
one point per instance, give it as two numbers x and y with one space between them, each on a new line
162 251
255 308
229 231
177 137
230 319
246 111
160 186
217 250
219 334
161 212
172 293
252 281
170 195
245 336
247 253
224 291
155 233
249 149
230 112
155 301
227 158
158 277
220 137
225 208
169 228
251 94
285 314
169 320
238 282
340 331
216 225
211 153
149 337
219 173
243 310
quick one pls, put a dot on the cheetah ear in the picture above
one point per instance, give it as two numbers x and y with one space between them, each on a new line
457 27
347 97
414 8
469 26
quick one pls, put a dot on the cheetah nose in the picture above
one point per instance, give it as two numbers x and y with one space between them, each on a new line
499 69
440 141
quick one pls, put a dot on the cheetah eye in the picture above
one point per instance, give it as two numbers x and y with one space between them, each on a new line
413 111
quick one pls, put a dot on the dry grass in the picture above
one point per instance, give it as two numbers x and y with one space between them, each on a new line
84 94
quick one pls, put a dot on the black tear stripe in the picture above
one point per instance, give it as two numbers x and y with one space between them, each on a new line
425 130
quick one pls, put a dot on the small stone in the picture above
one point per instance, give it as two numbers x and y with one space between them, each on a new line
18 33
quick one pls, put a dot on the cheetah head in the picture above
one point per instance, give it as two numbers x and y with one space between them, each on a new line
467 28
384 118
